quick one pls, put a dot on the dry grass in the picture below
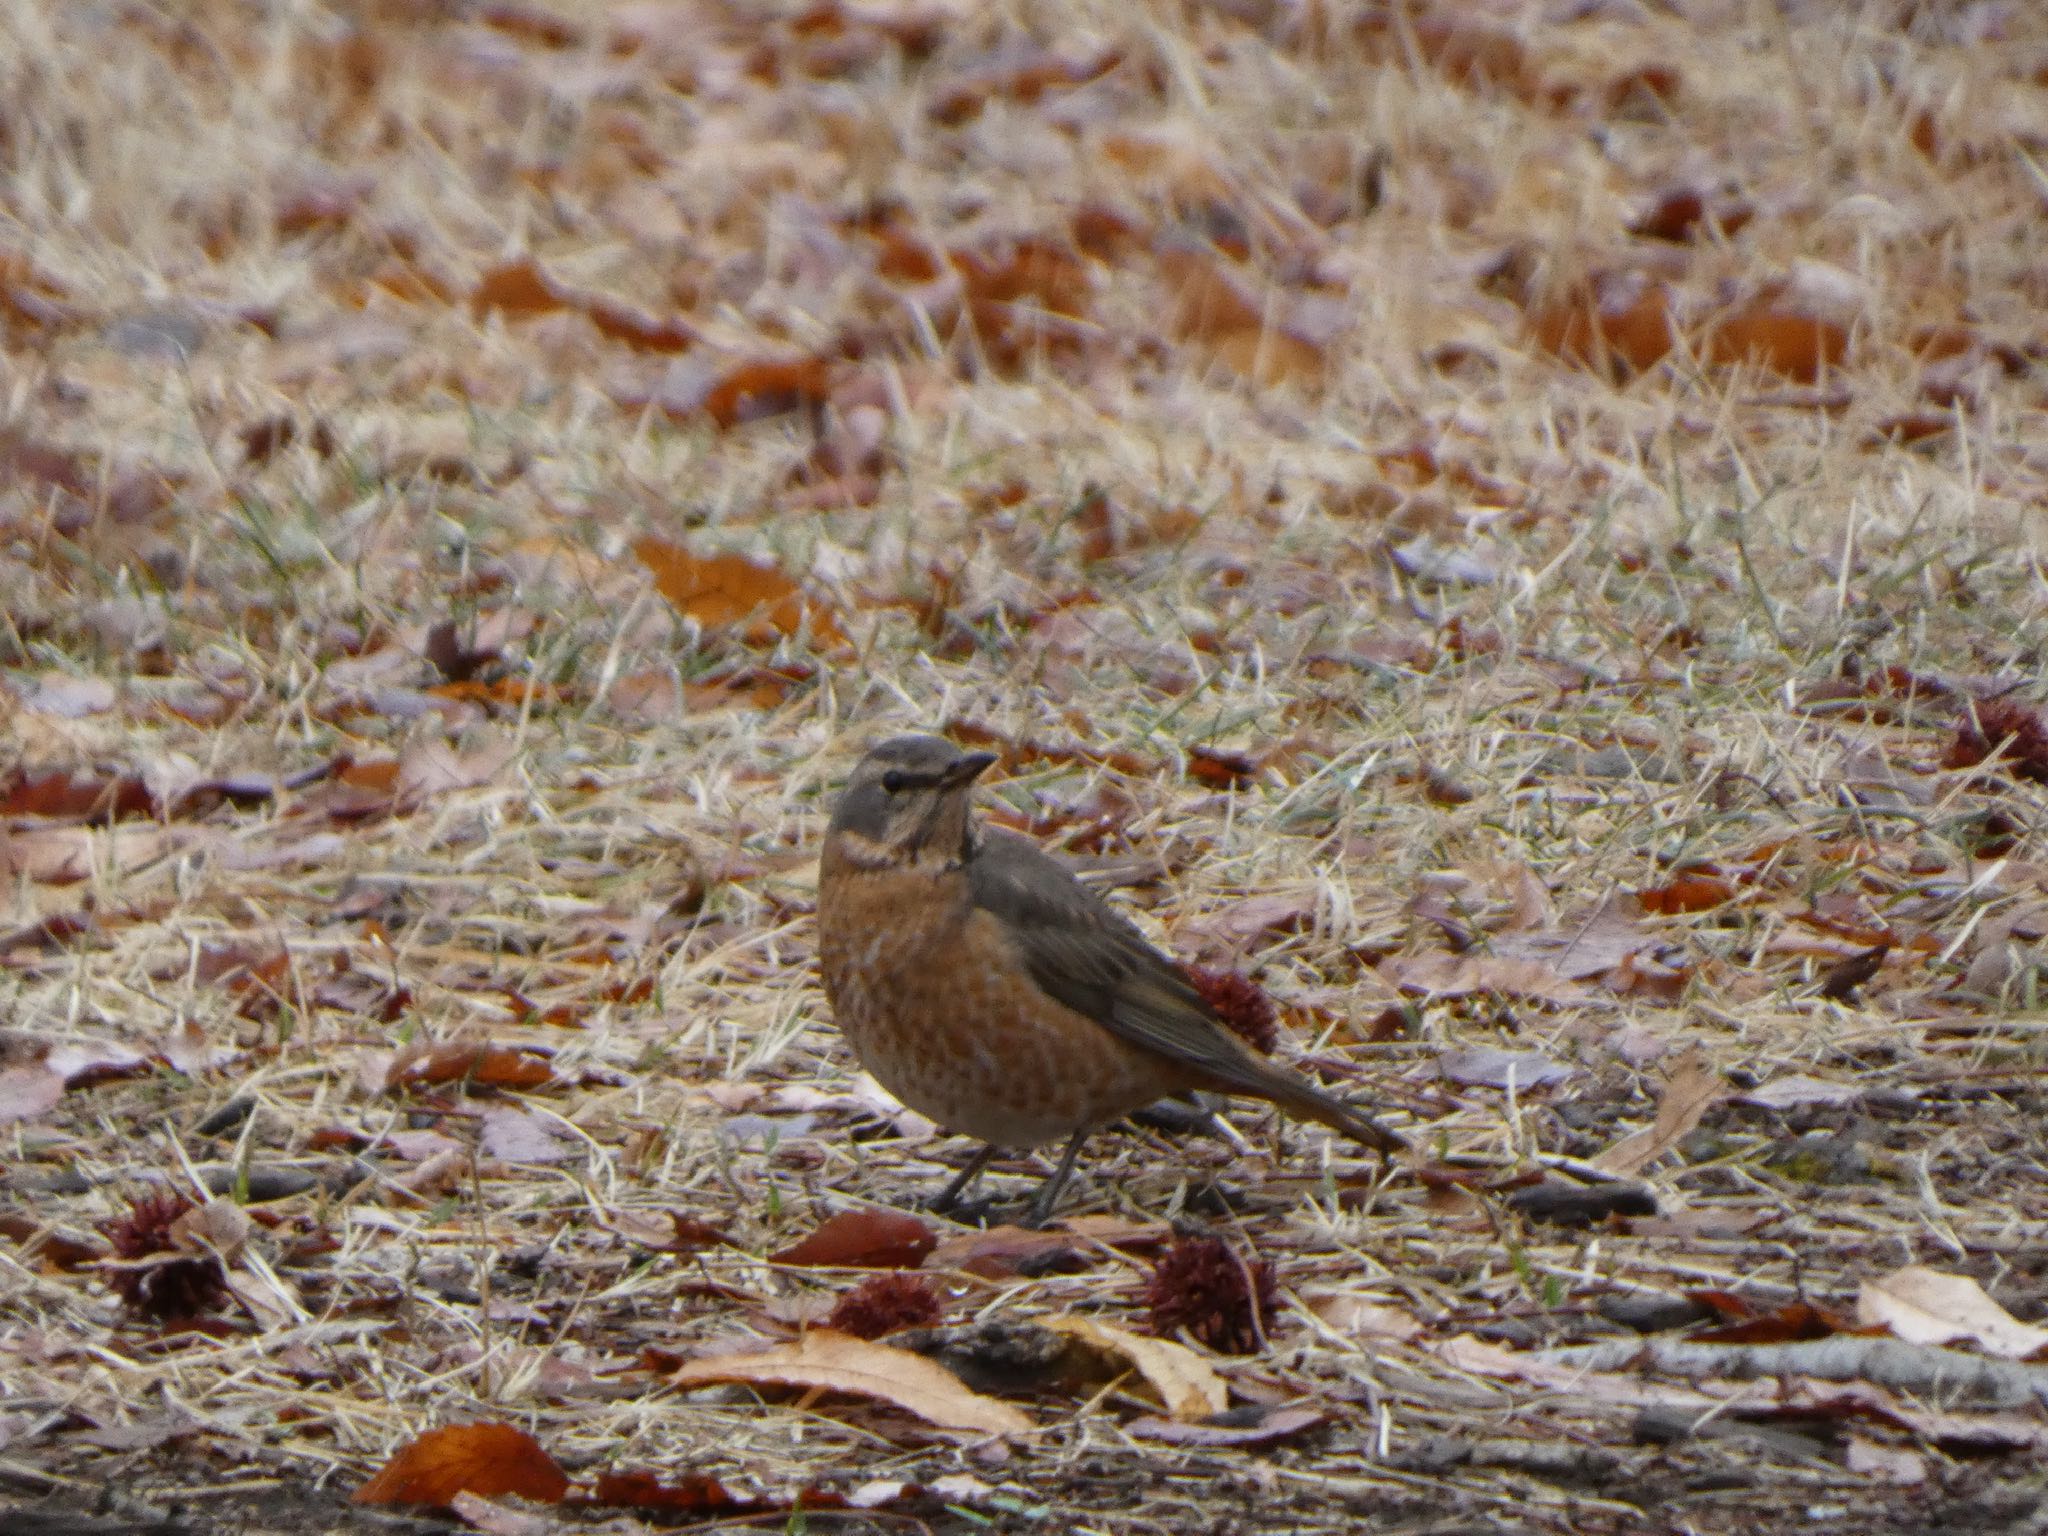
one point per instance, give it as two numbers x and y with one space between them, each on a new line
1642 624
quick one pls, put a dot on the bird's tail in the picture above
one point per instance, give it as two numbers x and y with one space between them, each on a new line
1298 1096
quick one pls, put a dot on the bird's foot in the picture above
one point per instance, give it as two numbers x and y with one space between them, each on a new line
978 1212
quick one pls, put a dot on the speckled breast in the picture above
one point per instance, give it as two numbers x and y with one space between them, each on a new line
939 1008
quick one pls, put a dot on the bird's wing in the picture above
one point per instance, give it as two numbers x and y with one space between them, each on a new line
1096 962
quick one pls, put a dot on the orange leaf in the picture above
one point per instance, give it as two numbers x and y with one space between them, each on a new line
1612 323
522 288
1782 340
483 1459
1691 892
768 387
720 590
518 288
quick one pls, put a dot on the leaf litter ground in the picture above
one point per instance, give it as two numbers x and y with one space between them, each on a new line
1514 527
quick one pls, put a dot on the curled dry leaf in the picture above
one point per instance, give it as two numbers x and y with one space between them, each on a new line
1186 1385
1237 1428
1925 1306
834 1362
483 1459
1692 1090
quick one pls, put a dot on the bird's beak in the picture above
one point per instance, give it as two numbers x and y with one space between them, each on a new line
972 765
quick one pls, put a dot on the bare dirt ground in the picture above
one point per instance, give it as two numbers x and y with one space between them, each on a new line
1515 527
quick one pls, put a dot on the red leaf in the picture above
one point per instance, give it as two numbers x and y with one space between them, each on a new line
864 1239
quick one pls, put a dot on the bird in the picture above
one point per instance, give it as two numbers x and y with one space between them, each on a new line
985 987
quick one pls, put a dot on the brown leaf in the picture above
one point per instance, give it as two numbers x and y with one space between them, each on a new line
1769 333
468 1061
75 795
1617 323
1925 1306
521 289
1747 1323
693 1494
1186 1385
431 766
1693 1089
862 1239
1219 769
485 1459
2001 729
833 1362
1841 979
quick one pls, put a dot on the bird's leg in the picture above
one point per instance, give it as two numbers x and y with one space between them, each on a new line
949 1197
1048 1194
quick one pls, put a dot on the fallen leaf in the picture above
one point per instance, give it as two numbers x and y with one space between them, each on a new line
521 1136
68 697
430 766
1689 1093
1488 1066
483 1459
1893 1463
833 1362
1799 1090
1440 975
1350 1313
862 1239
1001 1251
1840 981
1240 1428
1186 1385
1925 1306
500 1520
1694 891
28 1092
723 590
467 1061
80 1062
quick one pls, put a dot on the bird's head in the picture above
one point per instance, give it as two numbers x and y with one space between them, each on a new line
908 803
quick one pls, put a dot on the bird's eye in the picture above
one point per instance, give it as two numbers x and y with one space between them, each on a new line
892 781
